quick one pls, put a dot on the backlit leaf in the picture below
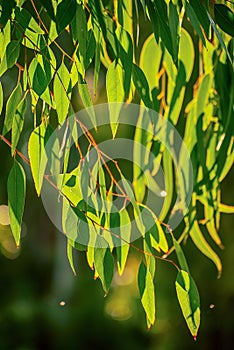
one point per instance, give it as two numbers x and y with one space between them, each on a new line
147 294
47 4
10 57
104 265
36 151
65 12
201 243
115 92
224 17
189 301
11 107
61 92
194 21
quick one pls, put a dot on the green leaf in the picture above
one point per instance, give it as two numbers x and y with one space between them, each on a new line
96 10
165 33
66 10
126 56
199 240
26 21
180 255
7 7
115 93
47 4
189 301
10 57
1 98
87 101
224 18
27 29
141 85
194 21
169 184
5 38
174 28
219 37
153 18
90 256
36 151
178 95
16 186
150 59
104 265
11 107
227 209
200 11
125 234
18 122
61 92
147 294
40 82
186 53
70 256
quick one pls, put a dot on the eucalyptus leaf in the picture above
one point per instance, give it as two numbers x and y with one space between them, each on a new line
189 301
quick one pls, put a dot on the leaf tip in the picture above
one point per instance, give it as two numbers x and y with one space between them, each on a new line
219 273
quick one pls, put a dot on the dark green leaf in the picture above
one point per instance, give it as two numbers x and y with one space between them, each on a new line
180 256
154 19
141 85
7 7
87 101
200 11
16 196
219 37
224 18
98 15
165 33
18 122
195 22
39 83
47 4
126 56
1 98
66 10
199 240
